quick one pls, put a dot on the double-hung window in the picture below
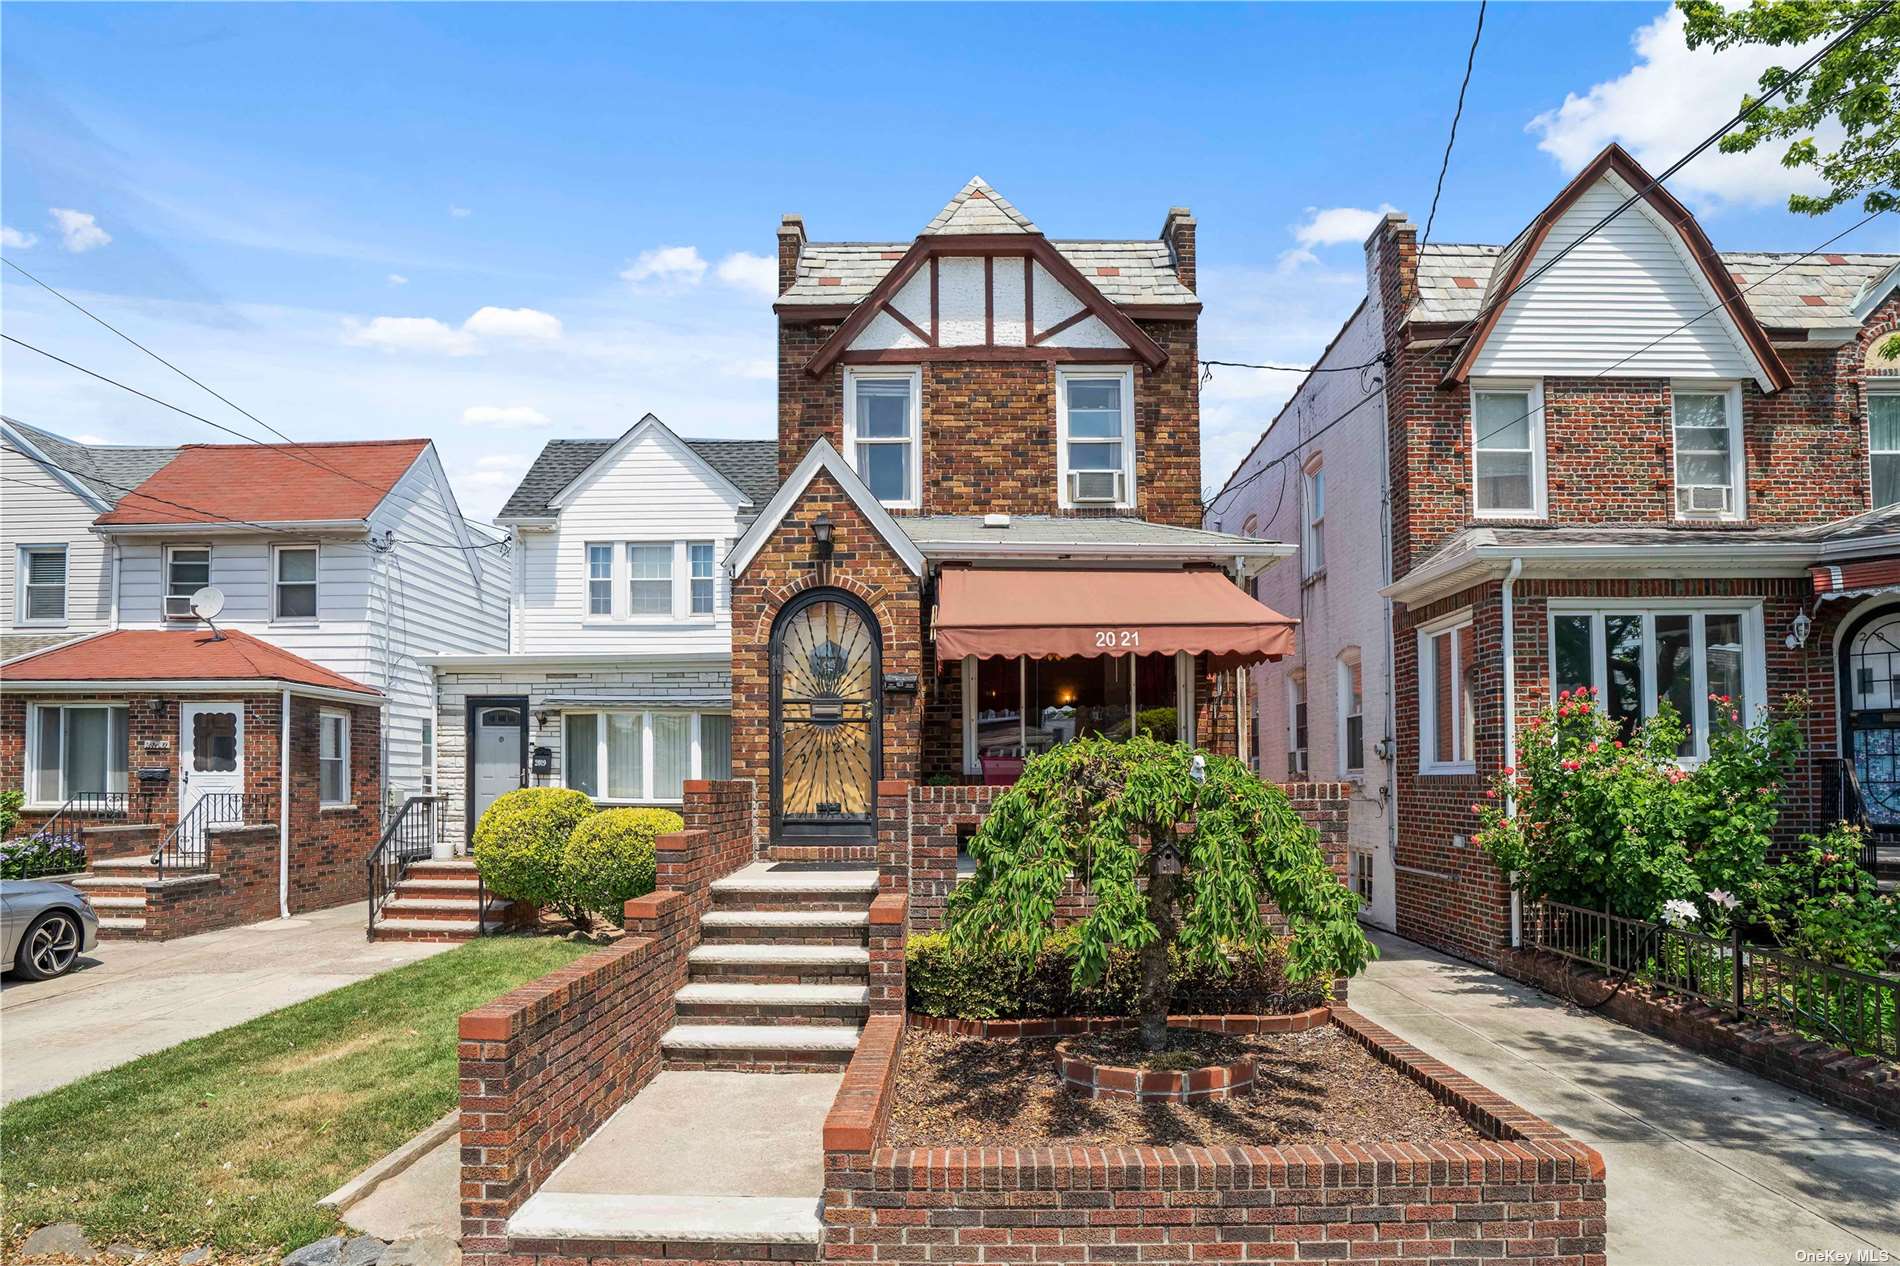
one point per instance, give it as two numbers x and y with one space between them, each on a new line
702 583
600 579
187 570
1507 450
881 433
1447 697
650 569
1883 443
1708 443
1296 726
1352 715
428 757
41 573
1095 436
75 750
333 758
294 584
1636 658
644 756
1313 526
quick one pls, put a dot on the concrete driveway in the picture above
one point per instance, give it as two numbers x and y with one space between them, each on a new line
129 998
1706 1163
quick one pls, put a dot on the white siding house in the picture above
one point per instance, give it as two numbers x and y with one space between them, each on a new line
617 675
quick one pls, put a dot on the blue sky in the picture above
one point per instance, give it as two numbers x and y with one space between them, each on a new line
495 224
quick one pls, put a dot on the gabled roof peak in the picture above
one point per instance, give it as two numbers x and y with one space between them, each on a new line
977 208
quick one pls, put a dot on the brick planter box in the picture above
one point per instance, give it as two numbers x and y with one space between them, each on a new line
1108 1081
1527 1191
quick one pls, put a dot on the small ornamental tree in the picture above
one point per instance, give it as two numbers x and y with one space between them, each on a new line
1092 812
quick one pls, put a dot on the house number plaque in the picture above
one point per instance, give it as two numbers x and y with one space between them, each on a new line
1116 639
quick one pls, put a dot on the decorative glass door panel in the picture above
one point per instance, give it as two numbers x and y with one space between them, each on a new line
1873 716
825 713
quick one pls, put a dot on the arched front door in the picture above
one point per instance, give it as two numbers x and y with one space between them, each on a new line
1870 712
827 678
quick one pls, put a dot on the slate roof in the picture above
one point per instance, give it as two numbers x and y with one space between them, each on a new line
752 466
109 470
268 483
977 208
1784 289
934 532
176 655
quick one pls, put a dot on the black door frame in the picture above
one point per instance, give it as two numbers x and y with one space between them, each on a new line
813 832
470 707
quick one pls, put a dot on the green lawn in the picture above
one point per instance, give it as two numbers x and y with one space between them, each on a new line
231 1139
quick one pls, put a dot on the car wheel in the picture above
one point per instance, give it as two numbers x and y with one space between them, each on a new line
49 948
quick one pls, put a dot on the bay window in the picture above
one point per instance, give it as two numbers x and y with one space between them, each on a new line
74 750
643 756
1708 443
1883 444
295 583
880 432
1447 697
1639 658
1507 450
1017 707
41 573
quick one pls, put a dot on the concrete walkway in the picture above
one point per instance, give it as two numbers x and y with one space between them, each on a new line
129 998
1706 1163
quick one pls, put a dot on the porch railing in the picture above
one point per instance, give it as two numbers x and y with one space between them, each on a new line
408 836
57 846
1850 806
1836 1004
186 850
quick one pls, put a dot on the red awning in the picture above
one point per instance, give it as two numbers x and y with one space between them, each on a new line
1046 613
1844 579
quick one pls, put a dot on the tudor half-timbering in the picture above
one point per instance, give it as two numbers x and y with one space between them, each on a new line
986 541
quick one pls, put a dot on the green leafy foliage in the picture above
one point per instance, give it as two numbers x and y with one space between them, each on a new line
995 981
608 859
10 802
1829 908
521 841
1087 812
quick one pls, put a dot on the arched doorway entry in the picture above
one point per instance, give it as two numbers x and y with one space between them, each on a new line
827 745
1870 712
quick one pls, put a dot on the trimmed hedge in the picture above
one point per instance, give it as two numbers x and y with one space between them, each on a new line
608 860
999 982
520 841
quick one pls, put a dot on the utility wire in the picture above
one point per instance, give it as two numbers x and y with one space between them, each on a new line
1471 59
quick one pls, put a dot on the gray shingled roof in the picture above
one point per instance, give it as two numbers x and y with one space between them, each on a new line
977 208
109 470
934 531
752 466
1785 290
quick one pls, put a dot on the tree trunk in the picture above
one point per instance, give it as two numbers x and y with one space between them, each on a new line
1152 1003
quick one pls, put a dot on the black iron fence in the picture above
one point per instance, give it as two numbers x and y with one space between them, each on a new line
186 850
58 846
409 835
1836 1004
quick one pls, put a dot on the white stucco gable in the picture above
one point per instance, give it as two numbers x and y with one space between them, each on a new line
984 301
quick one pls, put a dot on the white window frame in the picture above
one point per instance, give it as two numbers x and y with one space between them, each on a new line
711 578
1347 661
1737 453
1299 759
30 764
316 582
1428 669
428 756
1883 388
1184 680
589 580
1754 651
165 588
914 430
672 582
1313 526
325 717
695 764
1540 490
1125 374
22 568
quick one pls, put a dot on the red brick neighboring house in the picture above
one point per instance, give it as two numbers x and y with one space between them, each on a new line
213 778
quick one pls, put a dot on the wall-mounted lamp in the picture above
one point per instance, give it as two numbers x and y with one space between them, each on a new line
157 707
1798 631
821 529
541 717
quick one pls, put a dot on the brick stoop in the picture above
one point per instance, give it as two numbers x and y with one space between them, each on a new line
439 900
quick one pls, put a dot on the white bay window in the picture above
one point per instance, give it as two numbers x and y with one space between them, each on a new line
628 756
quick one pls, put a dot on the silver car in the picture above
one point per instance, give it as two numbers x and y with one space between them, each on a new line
44 927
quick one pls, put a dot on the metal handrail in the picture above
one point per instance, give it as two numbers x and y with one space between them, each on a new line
62 823
1853 811
186 849
409 836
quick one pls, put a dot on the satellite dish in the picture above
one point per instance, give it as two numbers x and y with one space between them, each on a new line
207 603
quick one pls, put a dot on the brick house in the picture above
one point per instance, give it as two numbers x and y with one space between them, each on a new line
242 782
1638 466
986 539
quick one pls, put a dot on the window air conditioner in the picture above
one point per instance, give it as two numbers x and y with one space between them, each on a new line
1095 487
1296 763
178 607
1704 499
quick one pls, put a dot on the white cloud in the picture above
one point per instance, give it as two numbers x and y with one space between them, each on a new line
667 265
757 273
78 230
1667 102
1332 226
519 323
397 279
460 213
410 334
89 438
10 236
506 417
499 472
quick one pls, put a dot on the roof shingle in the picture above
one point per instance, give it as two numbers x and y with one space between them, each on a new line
109 470
751 465
176 655
268 483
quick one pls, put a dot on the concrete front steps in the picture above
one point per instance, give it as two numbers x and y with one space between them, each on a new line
116 888
438 900
709 1228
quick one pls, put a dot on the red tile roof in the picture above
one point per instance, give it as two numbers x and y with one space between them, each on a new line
175 655
269 483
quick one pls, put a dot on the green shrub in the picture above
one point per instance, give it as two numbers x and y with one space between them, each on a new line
1828 908
609 858
10 802
520 841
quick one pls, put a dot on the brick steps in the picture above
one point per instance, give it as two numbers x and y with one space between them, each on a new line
439 899
764 886
754 1004
122 929
759 1047
780 964
432 929
806 927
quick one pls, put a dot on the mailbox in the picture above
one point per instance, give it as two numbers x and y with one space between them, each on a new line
541 760
152 776
900 683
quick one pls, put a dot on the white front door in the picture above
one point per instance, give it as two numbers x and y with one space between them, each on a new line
495 756
210 753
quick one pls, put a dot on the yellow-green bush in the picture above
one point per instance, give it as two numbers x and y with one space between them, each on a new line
609 858
520 842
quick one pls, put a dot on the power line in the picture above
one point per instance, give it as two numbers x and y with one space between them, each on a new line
1293 369
1471 59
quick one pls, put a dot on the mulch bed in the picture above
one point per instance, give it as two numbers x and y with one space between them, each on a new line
1313 1087
1186 1049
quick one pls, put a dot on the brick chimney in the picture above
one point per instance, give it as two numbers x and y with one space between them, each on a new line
1178 233
791 243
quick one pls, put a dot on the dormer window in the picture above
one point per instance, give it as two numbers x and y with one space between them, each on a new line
1708 426
880 433
1095 425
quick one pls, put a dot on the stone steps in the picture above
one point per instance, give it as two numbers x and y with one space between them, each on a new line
780 964
703 1003
121 929
806 927
704 1228
759 1047
433 929
769 886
